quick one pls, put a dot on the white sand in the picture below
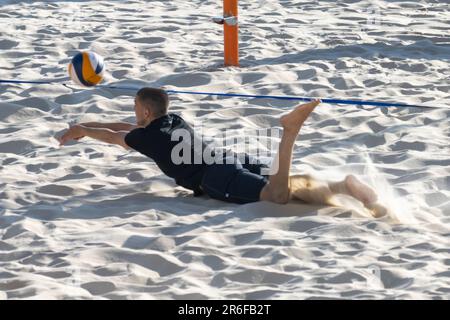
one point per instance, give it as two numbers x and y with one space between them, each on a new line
93 221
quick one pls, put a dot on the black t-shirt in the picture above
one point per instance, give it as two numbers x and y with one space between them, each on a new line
155 141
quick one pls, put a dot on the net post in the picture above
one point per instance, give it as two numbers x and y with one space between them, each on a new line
231 32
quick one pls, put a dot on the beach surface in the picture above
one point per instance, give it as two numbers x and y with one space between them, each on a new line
94 221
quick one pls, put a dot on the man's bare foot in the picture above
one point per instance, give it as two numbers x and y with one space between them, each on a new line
360 191
377 210
294 120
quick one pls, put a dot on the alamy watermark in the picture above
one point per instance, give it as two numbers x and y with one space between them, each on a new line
374 15
74 280
231 147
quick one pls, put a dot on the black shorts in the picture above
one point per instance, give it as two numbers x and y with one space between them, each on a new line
236 183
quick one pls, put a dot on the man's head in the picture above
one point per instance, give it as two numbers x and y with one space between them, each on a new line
150 104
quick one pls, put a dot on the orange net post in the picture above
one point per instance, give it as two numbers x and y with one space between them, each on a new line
231 33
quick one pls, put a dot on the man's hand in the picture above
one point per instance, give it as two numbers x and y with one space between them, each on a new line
75 132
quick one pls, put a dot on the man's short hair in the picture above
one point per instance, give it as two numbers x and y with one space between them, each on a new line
156 100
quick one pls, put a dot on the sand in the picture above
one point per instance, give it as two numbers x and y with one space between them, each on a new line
93 221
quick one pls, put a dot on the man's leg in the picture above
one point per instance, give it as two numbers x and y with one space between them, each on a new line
311 190
355 188
277 189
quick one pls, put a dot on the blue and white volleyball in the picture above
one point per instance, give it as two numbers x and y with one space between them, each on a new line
87 68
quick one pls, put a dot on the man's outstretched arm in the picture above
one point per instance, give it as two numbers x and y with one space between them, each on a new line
102 134
114 126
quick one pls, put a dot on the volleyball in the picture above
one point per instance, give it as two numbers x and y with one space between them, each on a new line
87 68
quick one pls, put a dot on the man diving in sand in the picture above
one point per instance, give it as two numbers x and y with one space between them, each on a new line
236 182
